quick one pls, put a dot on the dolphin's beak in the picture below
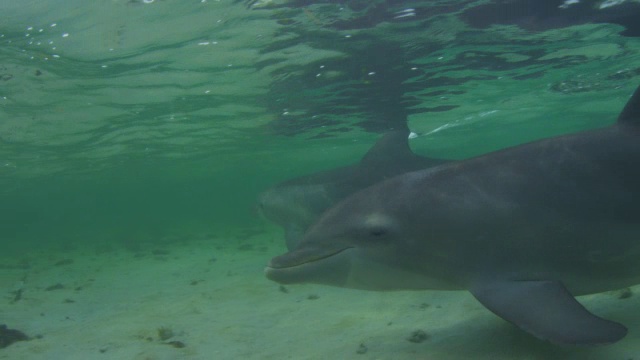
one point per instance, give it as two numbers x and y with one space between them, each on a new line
311 266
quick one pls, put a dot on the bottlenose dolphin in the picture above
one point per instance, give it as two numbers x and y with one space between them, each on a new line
297 203
524 229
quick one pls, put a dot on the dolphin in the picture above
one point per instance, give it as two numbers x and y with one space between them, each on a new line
297 203
524 229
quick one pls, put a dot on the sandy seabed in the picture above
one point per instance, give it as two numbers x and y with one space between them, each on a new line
213 302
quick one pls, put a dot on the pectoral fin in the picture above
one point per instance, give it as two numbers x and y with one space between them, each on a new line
548 311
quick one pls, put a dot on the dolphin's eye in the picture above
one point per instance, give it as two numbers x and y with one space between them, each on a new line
376 227
378 231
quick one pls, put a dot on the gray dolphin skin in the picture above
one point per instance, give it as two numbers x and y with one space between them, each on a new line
524 229
296 204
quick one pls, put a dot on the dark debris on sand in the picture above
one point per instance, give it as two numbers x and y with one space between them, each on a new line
418 336
9 336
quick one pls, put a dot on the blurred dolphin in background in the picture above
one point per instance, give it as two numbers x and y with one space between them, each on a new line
297 203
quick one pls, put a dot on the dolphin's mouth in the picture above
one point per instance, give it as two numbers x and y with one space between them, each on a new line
311 266
301 257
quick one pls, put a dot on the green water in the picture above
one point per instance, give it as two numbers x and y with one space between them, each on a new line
127 120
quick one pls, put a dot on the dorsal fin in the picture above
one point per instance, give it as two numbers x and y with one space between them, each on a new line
390 147
631 112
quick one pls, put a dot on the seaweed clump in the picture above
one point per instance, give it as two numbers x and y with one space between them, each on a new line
165 333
